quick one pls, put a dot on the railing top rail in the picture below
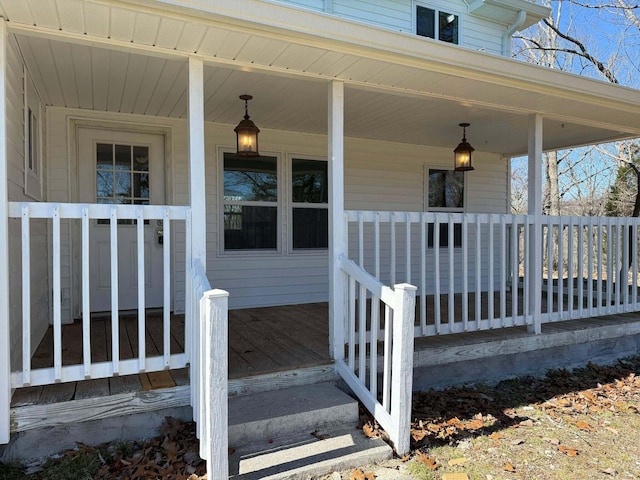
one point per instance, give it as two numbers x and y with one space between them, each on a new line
95 211
431 217
371 283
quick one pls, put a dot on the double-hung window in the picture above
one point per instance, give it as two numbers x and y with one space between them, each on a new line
250 203
445 192
309 204
437 24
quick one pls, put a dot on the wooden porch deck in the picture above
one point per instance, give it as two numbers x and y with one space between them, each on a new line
262 341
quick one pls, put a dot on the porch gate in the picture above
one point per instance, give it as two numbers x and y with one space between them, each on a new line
382 383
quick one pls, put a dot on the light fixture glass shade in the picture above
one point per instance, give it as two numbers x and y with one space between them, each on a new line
462 154
247 134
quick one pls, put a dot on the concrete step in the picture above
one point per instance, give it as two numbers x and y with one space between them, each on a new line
298 433
268 415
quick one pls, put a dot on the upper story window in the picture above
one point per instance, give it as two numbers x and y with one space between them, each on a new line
437 24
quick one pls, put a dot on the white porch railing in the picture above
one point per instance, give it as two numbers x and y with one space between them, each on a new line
479 271
208 371
388 400
55 214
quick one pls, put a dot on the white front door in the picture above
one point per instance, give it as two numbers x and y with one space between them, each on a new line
118 167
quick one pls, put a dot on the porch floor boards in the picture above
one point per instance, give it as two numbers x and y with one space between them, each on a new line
261 341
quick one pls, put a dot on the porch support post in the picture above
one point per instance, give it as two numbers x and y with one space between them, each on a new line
535 233
337 223
5 334
197 184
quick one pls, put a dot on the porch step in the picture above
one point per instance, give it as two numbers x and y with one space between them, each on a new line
298 433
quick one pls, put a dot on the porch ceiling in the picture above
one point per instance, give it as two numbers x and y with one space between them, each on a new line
115 56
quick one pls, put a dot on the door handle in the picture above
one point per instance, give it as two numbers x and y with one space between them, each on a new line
160 236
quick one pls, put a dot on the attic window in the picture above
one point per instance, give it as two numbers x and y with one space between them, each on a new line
437 24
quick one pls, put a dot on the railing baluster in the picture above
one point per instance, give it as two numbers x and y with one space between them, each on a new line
634 257
570 265
589 275
423 274
166 306
465 272
550 255
86 294
407 242
115 327
580 267
478 316
526 277
376 244
610 273
360 240
26 297
386 375
561 269
352 323
57 293
490 268
504 245
436 274
452 278
141 291
617 269
600 260
373 345
625 264
362 333
392 232
515 270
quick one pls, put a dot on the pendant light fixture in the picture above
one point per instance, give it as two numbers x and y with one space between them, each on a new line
462 153
247 133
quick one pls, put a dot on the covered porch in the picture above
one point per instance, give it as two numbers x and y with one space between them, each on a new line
382 115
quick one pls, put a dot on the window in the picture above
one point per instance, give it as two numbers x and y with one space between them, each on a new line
122 176
437 24
445 190
33 153
32 140
310 204
250 203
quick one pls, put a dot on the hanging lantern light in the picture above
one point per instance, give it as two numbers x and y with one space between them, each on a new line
247 133
462 153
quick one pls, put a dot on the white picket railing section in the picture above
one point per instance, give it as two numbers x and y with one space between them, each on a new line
209 367
85 213
372 308
480 271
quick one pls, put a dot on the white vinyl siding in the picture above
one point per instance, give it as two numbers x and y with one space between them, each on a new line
40 292
378 176
476 33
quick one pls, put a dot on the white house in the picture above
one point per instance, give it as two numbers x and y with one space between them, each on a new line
118 157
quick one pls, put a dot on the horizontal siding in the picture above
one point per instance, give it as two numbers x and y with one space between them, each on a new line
378 176
476 33
39 230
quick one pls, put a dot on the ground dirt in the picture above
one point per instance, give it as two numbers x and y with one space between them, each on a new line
570 425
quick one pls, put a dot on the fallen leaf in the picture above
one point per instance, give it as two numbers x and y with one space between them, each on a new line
497 436
358 474
584 426
455 476
475 424
428 461
319 436
568 451
369 431
457 461
508 467
526 423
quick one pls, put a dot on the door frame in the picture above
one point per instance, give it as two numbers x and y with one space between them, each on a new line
74 124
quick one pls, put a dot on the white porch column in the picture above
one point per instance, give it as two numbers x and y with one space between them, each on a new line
337 226
535 210
5 358
197 184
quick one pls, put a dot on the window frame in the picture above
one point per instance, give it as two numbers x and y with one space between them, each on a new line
291 205
33 139
425 176
436 27
278 204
